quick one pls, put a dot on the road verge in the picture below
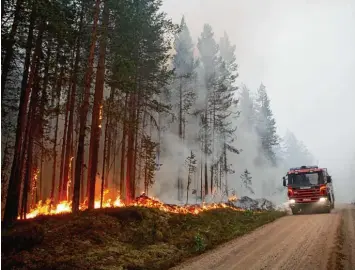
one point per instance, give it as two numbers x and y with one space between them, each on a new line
123 238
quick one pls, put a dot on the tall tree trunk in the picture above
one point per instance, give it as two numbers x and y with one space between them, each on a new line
10 43
54 168
5 162
24 165
31 130
213 138
106 151
108 135
64 141
74 77
27 180
225 167
123 148
206 151
13 194
84 112
103 165
180 190
201 178
39 196
97 112
135 156
130 147
42 112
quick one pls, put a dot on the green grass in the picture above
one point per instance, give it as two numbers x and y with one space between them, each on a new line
122 238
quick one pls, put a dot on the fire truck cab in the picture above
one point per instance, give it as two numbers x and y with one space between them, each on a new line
309 188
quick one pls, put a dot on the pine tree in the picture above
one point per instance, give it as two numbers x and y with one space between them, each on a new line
225 106
184 82
191 164
148 156
266 125
246 181
84 112
208 50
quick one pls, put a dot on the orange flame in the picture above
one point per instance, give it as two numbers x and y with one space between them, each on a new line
232 198
100 115
65 206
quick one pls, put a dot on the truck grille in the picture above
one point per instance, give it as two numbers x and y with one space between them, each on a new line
306 195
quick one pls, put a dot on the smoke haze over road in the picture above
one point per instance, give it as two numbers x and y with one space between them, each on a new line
304 53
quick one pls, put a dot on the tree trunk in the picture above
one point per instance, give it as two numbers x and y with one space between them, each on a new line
5 162
39 196
13 194
97 112
213 124
130 147
83 113
10 43
74 77
108 135
123 151
28 177
106 151
42 112
135 156
31 130
54 168
201 178
103 165
64 144
225 167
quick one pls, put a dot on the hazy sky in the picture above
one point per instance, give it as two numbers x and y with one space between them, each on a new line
304 52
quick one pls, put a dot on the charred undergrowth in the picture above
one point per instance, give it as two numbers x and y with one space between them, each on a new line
130 238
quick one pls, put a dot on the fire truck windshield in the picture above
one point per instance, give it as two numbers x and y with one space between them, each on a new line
305 179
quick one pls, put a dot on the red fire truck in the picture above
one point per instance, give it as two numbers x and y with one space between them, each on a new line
309 188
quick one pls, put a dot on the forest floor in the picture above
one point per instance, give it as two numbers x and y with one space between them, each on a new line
123 238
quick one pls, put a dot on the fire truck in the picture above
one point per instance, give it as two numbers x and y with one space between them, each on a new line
309 188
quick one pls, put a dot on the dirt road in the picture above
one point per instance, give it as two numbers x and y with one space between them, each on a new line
318 241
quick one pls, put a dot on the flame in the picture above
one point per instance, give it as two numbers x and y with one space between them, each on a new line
34 185
47 208
69 177
232 198
100 115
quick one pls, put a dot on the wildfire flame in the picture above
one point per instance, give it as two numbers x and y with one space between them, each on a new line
100 115
46 208
233 198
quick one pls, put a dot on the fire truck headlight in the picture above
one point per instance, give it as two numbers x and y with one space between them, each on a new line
323 199
292 201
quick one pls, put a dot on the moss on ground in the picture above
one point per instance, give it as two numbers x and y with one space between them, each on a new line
122 238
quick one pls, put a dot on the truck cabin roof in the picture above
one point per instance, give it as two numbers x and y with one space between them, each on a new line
305 169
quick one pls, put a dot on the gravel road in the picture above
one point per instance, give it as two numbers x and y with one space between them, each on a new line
318 241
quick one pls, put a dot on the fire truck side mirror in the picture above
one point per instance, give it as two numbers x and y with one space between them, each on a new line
329 179
284 181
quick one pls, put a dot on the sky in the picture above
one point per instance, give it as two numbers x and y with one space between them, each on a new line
304 53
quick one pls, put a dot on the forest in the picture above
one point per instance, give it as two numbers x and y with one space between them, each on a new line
110 98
